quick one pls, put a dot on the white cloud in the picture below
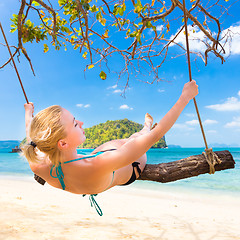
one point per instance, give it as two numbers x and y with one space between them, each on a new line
80 105
182 126
231 104
159 28
195 122
209 122
112 87
212 131
235 123
197 39
239 93
117 91
231 34
179 125
161 90
192 122
192 115
125 107
188 125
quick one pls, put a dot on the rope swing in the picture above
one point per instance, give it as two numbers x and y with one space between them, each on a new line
15 67
36 177
210 156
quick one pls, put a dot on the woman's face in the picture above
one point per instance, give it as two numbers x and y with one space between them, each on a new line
75 133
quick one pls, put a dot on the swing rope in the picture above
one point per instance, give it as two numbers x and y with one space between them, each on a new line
4 36
210 156
36 177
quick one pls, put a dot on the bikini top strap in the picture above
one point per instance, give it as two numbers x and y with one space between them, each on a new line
59 172
59 175
94 203
85 157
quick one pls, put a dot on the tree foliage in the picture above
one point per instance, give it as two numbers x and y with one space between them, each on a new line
112 130
139 32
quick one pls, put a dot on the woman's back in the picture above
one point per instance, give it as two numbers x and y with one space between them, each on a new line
78 176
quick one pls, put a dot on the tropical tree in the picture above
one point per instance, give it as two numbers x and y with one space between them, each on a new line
139 33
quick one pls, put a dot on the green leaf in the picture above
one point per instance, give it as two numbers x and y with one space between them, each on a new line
99 16
115 9
103 21
103 75
138 7
121 11
94 9
148 24
62 2
46 48
143 10
86 6
138 37
135 25
133 34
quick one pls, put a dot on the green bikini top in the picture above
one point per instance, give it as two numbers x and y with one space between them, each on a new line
60 176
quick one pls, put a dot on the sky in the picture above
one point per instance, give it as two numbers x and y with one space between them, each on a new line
60 80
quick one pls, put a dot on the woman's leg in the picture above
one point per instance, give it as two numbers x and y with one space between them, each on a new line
147 127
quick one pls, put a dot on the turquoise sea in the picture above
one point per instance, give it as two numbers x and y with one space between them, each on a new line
224 182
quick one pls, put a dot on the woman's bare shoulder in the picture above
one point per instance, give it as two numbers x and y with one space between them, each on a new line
42 165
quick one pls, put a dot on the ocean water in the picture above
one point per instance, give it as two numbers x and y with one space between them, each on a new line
223 182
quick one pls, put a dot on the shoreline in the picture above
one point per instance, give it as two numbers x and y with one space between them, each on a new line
31 211
175 187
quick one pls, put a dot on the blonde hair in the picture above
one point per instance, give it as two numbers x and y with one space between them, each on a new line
45 131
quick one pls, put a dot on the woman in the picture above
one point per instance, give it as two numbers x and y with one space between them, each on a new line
53 136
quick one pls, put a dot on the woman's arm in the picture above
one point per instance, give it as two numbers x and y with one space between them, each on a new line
136 147
29 109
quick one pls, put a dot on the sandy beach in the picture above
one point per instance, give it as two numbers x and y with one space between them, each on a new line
31 211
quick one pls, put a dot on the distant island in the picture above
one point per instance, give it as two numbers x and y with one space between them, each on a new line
10 144
111 130
174 146
223 145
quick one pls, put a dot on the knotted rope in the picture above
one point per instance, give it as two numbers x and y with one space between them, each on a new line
210 156
212 159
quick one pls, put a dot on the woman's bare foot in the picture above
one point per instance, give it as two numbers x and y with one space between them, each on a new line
148 121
